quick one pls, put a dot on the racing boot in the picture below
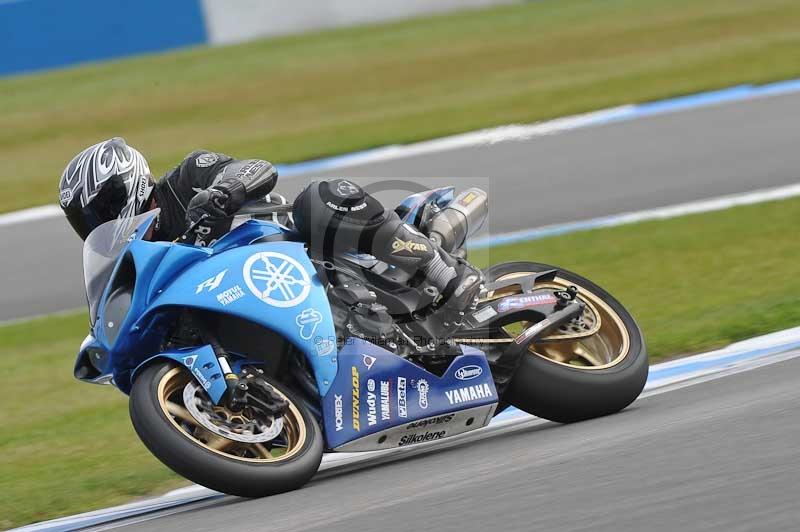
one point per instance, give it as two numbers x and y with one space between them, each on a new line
403 246
462 290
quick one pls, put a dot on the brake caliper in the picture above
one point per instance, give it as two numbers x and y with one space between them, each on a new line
252 390
565 297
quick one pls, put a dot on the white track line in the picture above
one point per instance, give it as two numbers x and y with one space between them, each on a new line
658 213
536 233
514 132
351 462
474 138
30 215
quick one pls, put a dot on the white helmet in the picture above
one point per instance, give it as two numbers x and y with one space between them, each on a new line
103 182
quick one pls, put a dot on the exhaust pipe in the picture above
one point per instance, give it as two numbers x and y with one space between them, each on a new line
462 218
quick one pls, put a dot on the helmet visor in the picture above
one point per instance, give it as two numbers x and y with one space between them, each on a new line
105 206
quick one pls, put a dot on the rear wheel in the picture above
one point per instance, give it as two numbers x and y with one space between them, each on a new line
591 367
233 452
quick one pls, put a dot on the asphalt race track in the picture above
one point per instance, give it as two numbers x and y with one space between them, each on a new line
717 456
568 176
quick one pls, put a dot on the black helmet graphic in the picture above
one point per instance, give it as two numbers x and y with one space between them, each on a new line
103 182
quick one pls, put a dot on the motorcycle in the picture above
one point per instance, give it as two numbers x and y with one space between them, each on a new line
248 359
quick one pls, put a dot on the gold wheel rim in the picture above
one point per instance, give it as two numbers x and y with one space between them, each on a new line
605 345
291 438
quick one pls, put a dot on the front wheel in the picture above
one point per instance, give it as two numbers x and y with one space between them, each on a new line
231 452
583 370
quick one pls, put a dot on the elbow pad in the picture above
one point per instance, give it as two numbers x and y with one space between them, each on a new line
254 177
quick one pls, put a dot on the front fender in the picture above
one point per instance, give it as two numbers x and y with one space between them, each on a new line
201 362
272 284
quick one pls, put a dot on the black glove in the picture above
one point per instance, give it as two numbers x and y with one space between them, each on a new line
218 201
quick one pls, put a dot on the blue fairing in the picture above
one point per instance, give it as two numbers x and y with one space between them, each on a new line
376 390
203 364
288 299
258 273
273 284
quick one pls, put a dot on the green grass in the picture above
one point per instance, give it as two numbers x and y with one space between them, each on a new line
308 96
693 283
65 446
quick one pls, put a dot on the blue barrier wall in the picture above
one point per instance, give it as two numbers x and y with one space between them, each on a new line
40 34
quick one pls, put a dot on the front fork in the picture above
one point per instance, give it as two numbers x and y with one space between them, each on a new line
250 389
231 378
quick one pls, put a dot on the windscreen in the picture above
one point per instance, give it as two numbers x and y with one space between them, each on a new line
100 252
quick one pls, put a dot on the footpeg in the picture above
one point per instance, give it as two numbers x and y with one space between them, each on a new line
466 291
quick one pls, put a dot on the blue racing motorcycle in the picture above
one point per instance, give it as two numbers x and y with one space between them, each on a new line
248 359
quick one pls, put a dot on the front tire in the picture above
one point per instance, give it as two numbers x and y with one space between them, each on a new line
555 385
174 436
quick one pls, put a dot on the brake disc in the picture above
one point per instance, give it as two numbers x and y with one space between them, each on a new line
221 423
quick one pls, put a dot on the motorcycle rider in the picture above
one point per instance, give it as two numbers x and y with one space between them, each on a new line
112 180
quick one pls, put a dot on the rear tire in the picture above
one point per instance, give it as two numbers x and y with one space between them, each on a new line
565 394
191 459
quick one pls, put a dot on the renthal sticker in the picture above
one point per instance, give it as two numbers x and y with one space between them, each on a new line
466 373
520 302
422 393
440 420
386 411
230 295
469 393
324 347
484 314
338 412
372 403
402 406
212 283
205 160
419 438
356 399
307 322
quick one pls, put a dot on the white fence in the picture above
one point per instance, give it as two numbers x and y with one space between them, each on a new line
231 21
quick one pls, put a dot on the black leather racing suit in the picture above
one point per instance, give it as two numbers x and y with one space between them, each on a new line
331 216
199 171
338 215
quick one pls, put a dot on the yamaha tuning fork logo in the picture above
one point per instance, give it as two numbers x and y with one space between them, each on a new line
276 279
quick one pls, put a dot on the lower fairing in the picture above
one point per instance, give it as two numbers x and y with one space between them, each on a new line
424 430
